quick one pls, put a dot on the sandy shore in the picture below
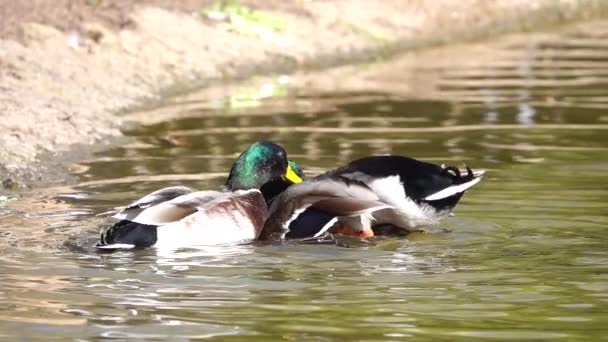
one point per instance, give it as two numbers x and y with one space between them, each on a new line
67 71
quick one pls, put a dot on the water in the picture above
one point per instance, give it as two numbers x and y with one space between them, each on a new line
526 258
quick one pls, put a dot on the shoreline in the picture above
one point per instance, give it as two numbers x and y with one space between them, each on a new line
63 91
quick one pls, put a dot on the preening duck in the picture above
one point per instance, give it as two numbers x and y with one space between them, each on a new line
366 194
179 216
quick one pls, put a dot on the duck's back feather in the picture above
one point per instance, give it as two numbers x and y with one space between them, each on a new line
152 199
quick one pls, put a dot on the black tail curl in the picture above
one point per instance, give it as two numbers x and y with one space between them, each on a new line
455 172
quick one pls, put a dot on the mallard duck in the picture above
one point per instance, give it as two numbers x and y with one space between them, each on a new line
371 192
181 217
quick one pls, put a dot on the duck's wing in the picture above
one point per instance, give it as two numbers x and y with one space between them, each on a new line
177 208
309 209
231 217
152 199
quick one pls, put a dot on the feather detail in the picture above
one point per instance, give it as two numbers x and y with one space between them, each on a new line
157 197
326 227
452 190
176 208
116 246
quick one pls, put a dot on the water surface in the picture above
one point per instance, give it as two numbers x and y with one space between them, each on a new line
526 257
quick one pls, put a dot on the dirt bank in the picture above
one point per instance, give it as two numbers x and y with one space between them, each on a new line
67 69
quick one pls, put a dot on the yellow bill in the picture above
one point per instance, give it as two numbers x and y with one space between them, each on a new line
291 176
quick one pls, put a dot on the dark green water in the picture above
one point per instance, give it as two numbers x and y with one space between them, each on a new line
526 258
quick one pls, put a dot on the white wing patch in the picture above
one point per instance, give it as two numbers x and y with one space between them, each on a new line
390 190
293 216
452 190
117 246
326 227
120 216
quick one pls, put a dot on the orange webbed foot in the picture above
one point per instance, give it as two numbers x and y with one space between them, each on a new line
345 230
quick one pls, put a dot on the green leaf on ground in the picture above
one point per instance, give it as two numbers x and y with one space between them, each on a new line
369 32
245 20
5 199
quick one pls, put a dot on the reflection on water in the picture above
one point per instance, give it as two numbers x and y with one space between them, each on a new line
526 257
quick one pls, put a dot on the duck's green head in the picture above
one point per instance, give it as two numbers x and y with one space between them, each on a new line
261 163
